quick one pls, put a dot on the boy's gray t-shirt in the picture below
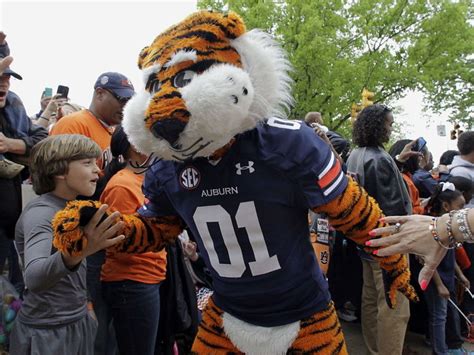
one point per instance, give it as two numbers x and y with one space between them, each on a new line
55 295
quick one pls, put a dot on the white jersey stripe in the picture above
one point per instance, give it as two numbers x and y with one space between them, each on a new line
334 185
328 167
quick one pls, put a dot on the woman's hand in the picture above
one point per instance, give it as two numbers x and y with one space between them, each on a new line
414 237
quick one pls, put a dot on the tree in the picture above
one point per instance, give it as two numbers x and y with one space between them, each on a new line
338 48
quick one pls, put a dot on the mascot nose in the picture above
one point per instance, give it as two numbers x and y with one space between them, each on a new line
168 129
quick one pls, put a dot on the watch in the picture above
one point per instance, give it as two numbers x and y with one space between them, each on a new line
397 158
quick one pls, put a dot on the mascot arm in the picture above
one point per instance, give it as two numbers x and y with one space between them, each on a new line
142 234
355 214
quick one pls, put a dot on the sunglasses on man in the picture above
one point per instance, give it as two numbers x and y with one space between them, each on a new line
122 100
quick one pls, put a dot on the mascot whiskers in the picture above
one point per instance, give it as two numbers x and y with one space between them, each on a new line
242 178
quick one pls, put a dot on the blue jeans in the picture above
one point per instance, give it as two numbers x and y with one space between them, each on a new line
105 342
437 309
454 339
135 309
8 252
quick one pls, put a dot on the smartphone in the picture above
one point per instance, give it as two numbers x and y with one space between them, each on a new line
63 91
48 92
420 144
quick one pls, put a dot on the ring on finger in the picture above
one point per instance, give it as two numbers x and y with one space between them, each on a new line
397 227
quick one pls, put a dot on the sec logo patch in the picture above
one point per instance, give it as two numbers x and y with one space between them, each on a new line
190 178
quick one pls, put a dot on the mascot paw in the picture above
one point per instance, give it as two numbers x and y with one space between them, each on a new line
68 233
396 277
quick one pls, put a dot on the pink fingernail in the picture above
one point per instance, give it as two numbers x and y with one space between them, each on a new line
372 233
375 252
368 243
382 220
424 284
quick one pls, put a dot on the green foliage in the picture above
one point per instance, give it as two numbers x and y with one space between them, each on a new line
387 46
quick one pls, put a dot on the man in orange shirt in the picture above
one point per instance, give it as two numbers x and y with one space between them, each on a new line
111 93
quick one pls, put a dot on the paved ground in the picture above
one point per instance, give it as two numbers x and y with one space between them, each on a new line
414 344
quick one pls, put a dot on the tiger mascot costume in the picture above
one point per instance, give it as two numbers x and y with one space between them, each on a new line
241 178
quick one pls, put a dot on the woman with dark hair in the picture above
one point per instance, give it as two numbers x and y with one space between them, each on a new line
378 173
130 282
407 169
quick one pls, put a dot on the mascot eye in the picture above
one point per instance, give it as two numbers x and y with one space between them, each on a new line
156 85
183 78
153 84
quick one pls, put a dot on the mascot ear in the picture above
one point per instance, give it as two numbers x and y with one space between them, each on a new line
144 52
234 25
267 65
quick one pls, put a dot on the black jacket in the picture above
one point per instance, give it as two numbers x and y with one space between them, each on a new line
10 189
380 177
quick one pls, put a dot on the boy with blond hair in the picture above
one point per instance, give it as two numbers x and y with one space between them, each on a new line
55 318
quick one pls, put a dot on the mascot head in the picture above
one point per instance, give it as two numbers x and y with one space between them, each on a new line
206 80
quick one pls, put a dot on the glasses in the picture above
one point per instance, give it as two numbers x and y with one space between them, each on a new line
122 100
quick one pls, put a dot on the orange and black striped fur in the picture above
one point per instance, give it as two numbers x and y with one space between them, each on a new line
319 334
142 234
200 43
355 214
206 33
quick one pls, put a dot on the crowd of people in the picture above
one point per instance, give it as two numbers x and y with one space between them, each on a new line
150 303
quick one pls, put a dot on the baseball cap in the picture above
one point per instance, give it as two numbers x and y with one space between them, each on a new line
115 82
5 52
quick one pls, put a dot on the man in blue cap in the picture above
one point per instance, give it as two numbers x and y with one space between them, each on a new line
111 93
17 137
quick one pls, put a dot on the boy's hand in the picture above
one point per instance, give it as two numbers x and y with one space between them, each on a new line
100 234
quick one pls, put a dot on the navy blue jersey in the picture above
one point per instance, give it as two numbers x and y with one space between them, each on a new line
249 214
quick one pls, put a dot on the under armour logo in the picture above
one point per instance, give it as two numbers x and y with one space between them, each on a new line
245 167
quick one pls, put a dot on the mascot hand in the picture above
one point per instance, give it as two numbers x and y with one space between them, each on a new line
396 277
69 224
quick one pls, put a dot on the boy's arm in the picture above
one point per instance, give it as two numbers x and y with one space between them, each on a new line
355 214
42 269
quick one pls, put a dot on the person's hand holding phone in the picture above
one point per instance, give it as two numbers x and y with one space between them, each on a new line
51 111
420 144
63 91
408 152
